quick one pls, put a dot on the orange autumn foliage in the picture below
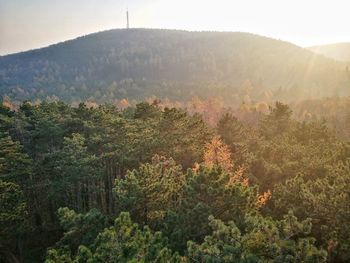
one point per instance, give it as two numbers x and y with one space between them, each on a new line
262 199
239 177
7 103
217 154
196 167
123 104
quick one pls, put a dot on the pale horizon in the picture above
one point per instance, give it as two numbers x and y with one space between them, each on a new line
304 24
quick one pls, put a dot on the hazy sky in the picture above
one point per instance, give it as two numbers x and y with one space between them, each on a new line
28 24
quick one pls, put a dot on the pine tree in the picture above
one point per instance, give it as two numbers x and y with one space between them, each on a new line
13 220
123 242
150 191
14 164
217 154
259 240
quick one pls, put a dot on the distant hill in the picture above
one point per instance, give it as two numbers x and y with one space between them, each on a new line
339 51
139 63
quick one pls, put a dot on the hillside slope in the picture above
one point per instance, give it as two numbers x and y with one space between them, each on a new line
139 63
339 51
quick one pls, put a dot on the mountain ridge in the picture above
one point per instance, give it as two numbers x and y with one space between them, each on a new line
338 51
152 29
139 63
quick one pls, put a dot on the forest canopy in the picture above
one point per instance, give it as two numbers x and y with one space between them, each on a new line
149 183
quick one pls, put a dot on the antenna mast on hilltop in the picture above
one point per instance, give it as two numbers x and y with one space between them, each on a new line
127 19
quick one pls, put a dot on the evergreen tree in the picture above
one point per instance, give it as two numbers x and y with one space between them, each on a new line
326 202
260 240
150 191
124 242
13 221
277 121
14 163
235 136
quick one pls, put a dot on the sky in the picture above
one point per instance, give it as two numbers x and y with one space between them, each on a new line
29 24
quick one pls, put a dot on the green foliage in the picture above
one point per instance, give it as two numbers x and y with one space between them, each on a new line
80 229
145 110
335 111
182 137
14 164
124 242
13 211
325 201
74 172
236 136
59 256
161 196
98 162
260 240
5 117
288 148
277 122
149 192
207 192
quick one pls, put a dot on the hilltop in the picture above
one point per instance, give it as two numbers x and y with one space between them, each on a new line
139 63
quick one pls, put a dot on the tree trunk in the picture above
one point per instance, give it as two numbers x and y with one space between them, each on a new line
7 255
20 248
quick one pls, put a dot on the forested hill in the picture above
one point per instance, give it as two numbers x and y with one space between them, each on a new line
139 63
339 51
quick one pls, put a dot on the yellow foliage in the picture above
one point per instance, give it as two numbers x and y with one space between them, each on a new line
262 199
196 167
217 153
239 177
123 104
7 103
262 107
